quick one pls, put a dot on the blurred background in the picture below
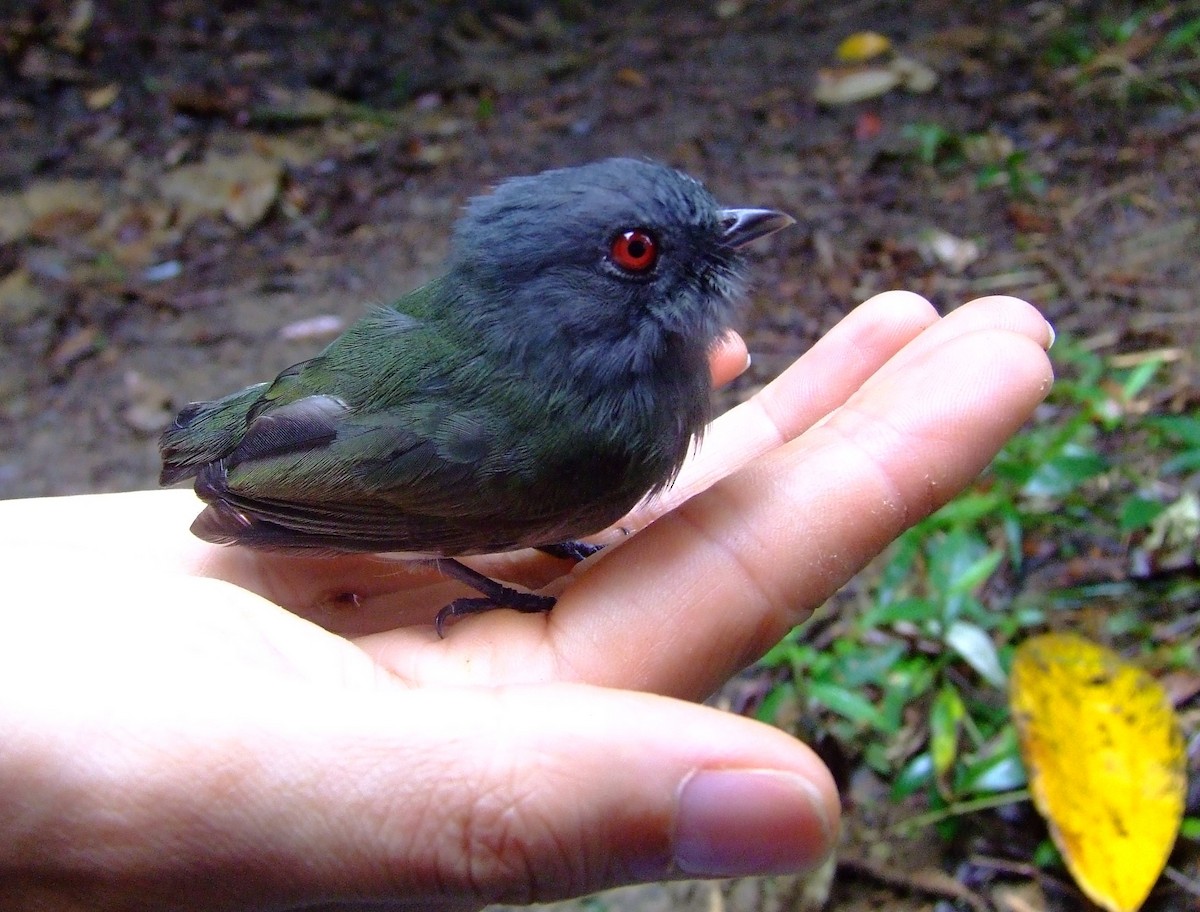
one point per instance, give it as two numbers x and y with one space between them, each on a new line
194 195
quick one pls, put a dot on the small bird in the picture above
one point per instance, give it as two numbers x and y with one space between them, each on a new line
552 377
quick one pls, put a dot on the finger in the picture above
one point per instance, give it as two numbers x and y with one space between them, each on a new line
821 380
725 576
729 359
1001 312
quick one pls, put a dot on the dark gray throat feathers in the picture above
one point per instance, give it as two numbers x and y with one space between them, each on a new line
630 387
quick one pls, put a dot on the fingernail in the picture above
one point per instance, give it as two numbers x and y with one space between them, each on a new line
1050 344
733 823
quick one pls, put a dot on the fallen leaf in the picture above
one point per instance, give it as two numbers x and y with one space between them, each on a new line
305 105
241 187
862 46
1106 763
103 97
21 300
1173 539
322 326
78 345
51 209
914 75
148 409
40 64
939 247
61 225
133 231
78 21
628 76
15 218
1026 218
209 100
163 272
847 86
1022 897
990 148
868 126
727 9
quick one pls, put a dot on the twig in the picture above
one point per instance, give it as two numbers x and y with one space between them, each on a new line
1025 869
1098 199
928 881
1182 881
920 821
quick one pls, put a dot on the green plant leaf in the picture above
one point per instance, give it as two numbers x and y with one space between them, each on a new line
945 720
916 775
972 643
995 768
847 703
859 666
1185 428
1065 472
977 573
913 610
1139 513
1138 378
1185 462
931 140
1182 36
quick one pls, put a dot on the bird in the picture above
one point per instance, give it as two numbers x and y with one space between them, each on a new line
554 375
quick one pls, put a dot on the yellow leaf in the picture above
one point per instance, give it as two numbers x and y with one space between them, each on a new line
1106 762
862 46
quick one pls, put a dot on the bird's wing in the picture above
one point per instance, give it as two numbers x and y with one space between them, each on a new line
314 472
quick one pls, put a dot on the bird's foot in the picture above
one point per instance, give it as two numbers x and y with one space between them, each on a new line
495 595
570 550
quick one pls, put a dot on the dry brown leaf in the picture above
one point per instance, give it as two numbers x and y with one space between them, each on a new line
240 187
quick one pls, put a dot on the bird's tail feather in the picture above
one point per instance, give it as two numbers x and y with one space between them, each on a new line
203 432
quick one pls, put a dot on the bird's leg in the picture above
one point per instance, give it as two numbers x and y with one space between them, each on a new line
495 595
570 550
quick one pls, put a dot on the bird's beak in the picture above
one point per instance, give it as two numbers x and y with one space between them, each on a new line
741 226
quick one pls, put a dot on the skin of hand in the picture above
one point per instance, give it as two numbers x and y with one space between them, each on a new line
171 738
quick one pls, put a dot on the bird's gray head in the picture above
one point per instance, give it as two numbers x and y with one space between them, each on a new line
621 253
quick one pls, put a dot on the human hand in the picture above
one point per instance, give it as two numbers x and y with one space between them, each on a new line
169 737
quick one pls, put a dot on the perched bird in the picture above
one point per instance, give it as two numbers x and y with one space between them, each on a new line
552 377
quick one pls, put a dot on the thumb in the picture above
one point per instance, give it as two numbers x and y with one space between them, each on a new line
460 797
532 793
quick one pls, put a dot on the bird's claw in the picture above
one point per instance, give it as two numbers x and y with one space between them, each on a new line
525 602
571 550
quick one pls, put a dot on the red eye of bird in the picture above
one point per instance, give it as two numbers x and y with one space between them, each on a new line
635 251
